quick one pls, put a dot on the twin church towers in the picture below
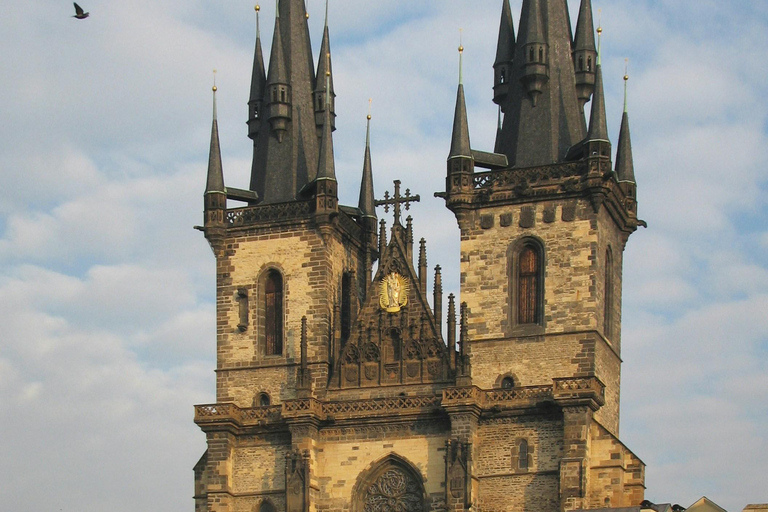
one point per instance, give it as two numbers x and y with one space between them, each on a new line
342 383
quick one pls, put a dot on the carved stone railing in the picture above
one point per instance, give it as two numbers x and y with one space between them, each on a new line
577 388
528 177
302 407
267 212
217 413
381 406
261 414
511 396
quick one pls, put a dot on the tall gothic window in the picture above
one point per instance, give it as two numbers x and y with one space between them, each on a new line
273 313
522 454
529 285
608 313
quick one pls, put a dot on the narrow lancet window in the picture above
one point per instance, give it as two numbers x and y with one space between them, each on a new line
273 313
242 299
529 275
522 454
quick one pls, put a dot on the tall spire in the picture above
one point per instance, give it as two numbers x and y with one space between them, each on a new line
505 56
366 202
625 167
585 53
460 146
324 92
215 182
286 149
542 113
258 85
278 86
326 169
598 126
535 60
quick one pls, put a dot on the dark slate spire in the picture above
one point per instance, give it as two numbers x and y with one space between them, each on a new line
598 126
286 149
541 133
326 169
366 203
215 197
505 56
278 87
258 86
625 167
215 181
535 60
585 53
460 146
324 80
460 140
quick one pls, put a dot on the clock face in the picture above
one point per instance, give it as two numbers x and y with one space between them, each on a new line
393 292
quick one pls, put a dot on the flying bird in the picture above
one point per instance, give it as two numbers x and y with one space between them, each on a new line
79 14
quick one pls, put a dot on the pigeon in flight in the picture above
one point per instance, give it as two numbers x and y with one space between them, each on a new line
79 14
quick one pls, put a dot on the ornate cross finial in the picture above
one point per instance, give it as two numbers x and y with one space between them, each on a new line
396 200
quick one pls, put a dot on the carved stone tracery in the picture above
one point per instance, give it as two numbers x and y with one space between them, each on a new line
394 491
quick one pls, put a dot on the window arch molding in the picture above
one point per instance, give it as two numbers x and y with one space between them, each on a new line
503 381
405 484
270 311
518 249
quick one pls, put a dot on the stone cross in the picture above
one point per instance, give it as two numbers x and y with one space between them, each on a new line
396 200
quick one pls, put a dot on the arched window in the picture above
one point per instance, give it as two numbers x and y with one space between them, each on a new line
391 484
264 400
529 285
273 313
507 383
608 311
581 63
522 454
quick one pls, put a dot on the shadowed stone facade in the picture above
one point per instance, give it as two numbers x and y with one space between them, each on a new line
344 390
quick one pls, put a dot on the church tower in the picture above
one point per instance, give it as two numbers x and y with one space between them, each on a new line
544 221
341 386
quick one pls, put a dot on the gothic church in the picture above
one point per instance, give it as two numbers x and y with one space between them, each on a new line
341 389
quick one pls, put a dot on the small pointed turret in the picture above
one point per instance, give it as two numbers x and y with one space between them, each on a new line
598 127
366 202
326 187
535 51
278 86
625 167
505 56
324 81
215 181
215 202
258 86
460 157
585 53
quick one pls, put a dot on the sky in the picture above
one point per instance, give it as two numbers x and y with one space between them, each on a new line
107 320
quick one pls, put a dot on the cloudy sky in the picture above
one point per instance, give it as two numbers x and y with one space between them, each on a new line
107 293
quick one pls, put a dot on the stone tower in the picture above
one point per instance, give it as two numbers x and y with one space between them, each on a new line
337 389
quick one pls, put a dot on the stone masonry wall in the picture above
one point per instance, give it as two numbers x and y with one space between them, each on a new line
312 268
